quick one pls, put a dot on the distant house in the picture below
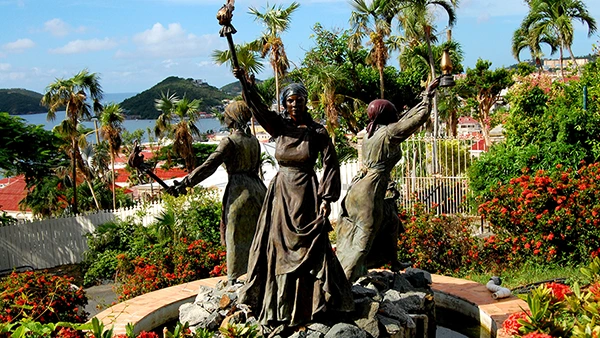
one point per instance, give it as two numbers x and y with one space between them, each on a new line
477 148
555 64
12 191
467 125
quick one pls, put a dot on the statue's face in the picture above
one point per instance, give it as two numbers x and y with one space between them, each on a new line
296 107
227 121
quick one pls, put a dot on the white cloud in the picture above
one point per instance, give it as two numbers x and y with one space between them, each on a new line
4 67
59 28
205 64
19 45
84 46
174 41
169 63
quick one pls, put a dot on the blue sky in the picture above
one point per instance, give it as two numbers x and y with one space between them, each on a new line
134 44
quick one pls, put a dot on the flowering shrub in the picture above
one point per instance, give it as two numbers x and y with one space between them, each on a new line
172 264
547 217
439 244
41 297
558 310
195 216
512 324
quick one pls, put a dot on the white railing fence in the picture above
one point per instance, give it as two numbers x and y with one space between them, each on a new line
429 179
51 242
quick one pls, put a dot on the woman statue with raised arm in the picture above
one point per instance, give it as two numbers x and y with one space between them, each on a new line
245 191
367 236
293 274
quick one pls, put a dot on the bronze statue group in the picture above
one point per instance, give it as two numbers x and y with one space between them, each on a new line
278 236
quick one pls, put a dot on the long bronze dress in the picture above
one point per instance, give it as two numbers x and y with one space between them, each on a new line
366 234
293 273
243 196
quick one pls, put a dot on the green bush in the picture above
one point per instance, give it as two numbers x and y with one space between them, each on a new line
191 217
546 126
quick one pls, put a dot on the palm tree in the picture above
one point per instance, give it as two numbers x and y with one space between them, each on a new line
111 121
183 132
416 19
65 131
247 55
276 20
323 83
523 38
72 94
555 17
372 20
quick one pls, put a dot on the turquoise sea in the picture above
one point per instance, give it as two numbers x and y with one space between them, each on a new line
130 125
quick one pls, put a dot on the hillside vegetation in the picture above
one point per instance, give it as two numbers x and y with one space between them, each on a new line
20 101
142 105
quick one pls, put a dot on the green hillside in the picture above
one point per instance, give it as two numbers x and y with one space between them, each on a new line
234 88
20 102
142 105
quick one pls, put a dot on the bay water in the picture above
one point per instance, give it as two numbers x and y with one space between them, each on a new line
130 125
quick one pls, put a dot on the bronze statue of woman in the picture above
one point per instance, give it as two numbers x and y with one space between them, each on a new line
245 191
293 274
367 235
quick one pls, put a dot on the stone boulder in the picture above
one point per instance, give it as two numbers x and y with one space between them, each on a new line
387 304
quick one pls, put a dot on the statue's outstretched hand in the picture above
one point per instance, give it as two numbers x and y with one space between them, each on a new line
430 90
238 73
177 189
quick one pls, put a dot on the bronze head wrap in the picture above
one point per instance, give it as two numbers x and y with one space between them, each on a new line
240 114
293 89
380 112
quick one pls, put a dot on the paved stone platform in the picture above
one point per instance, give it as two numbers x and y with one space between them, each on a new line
155 308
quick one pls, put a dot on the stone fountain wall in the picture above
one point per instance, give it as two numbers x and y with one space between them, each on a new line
387 304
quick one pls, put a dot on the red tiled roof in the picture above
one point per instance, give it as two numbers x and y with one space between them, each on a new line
122 174
12 191
122 158
466 119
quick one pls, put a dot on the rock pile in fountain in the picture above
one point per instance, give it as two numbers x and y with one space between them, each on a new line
387 304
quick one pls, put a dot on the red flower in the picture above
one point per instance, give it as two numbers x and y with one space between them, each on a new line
537 335
511 325
559 290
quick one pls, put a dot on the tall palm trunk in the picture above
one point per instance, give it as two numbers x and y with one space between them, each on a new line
277 90
74 175
434 107
114 178
573 58
276 71
562 69
381 82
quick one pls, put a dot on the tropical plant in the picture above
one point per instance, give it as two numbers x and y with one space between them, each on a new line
65 131
555 18
182 132
111 121
523 38
71 94
484 86
247 56
373 20
276 20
